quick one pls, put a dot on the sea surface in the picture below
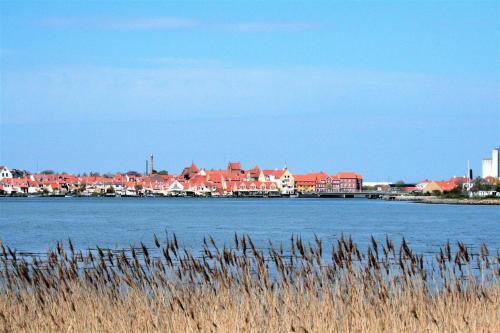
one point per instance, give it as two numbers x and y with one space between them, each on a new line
31 225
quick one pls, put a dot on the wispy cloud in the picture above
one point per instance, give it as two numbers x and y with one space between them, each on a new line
270 26
165 23
179 61
141 23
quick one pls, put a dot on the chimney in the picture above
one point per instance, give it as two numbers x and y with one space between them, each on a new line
151 165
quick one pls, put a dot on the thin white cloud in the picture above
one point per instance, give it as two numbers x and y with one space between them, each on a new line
165 23
270 26
141 23
153 23
179 61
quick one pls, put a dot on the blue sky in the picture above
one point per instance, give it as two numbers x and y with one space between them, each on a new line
393 90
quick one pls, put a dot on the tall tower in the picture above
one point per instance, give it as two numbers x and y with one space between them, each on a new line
151 165
495 163
491 166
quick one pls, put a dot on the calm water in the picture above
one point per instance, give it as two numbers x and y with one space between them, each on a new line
33 224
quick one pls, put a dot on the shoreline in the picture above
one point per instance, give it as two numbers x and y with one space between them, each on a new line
413 199
448 201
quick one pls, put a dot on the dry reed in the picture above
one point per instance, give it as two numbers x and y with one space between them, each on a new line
241 288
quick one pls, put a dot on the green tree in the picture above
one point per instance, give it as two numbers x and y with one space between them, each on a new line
436 193
457 192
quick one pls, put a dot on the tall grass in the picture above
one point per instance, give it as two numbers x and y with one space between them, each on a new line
241 288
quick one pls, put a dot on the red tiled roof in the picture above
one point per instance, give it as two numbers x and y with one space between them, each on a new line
446 186
15 181
255 171
310 177
348 175
235 165
409 189
218 175
275 173
458 180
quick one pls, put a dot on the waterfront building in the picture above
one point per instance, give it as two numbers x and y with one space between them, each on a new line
439 186
219 176
341 182
175 188
310 182
233 180
484 194
491 166
252 174
422 184
251 188
283 178
350 181
5 172
329 184
10 186
189 171
234 167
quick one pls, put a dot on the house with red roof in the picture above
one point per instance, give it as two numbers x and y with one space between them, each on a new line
189 172
330 184
282 177
307 183
350 181
422 184
234 167
219 176
440 186
12 186
251 188
175 188
252 174
133 177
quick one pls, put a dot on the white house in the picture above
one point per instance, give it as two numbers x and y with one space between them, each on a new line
422 184
283 178
482 194
175 188
5 172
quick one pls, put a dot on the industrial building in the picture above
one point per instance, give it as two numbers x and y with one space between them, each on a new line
491 166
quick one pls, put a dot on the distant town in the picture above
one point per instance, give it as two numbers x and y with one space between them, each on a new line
235 181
